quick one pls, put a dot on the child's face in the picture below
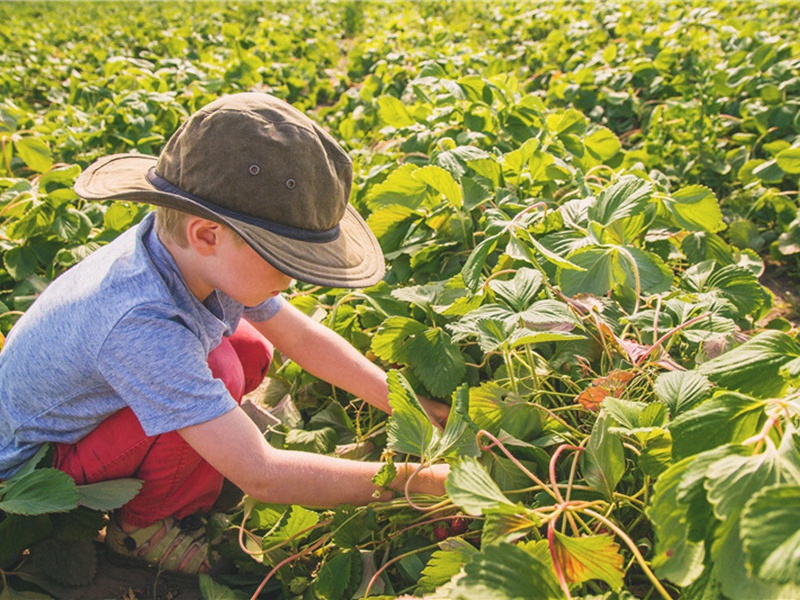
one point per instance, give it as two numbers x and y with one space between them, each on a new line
244 275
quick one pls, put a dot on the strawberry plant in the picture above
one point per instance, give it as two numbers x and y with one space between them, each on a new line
576 203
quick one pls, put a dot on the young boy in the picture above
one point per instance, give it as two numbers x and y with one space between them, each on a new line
134 361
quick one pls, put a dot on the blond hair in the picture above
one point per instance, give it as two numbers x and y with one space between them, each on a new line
171 224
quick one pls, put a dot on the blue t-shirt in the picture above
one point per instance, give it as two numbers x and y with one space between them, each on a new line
119 329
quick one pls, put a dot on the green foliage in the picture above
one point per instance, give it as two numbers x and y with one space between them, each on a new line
570 198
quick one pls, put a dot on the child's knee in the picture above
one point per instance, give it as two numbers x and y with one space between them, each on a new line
254 352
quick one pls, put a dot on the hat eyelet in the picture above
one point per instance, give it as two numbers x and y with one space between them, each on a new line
291 183
254 169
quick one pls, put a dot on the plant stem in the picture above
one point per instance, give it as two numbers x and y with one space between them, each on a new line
629 542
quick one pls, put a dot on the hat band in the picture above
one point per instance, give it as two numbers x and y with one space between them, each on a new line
295 233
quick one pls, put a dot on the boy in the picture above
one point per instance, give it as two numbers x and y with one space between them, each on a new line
133 362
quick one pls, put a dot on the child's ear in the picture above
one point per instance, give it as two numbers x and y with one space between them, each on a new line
203 235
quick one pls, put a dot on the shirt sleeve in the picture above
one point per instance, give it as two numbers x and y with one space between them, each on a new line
159 367
264 311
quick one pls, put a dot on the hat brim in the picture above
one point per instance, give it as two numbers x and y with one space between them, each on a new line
353 260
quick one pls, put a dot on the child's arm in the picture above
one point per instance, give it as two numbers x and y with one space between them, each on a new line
325 354
234 446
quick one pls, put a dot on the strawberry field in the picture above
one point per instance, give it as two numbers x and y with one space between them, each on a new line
577 202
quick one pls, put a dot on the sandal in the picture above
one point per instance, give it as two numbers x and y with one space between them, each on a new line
179 546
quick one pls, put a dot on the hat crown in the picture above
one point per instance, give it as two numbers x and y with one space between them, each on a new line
258 156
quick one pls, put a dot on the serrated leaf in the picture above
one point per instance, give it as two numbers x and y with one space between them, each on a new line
469 486
294 526
393 339
602 144
458 438
728 417
681 390
505 572
603 460
592 557
393 112
334 576
771 533
39 492
677 558
212 590
789 160
471 271
20 262
35 153
695 208
607 267
108 495
507 524
17 532
319 441
520 291
444 564
442 182
409 430
437 361
755 366
626 197
400 188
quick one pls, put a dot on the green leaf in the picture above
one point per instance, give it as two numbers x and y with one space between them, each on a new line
458 438
789 160
695 208
507 524
514 161
676 557
556 259
728 417
444 564
400 187
39 492
108 495
409 429
602 144
471 271
20 262
9 593
626 197
211 590
608 267
35 153
520 291
294 525
393 340
681 390
334 576
755 366
592 557
771 534
469 486
505 572
437 361
442 182
603 460
18 532
319 441
393 112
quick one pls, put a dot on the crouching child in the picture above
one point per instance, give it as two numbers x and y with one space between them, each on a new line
134 362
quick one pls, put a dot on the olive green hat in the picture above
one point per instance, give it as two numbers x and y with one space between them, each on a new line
267 171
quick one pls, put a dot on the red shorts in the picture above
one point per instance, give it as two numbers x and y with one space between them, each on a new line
177 481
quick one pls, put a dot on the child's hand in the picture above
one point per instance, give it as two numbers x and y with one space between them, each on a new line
437 412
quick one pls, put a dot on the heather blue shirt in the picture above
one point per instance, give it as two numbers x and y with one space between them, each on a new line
119 329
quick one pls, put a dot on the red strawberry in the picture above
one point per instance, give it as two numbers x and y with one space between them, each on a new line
441 531
459 525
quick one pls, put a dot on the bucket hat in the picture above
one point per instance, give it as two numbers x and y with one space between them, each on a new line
263 168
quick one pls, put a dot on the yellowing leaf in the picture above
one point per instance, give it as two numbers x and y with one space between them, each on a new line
593 557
